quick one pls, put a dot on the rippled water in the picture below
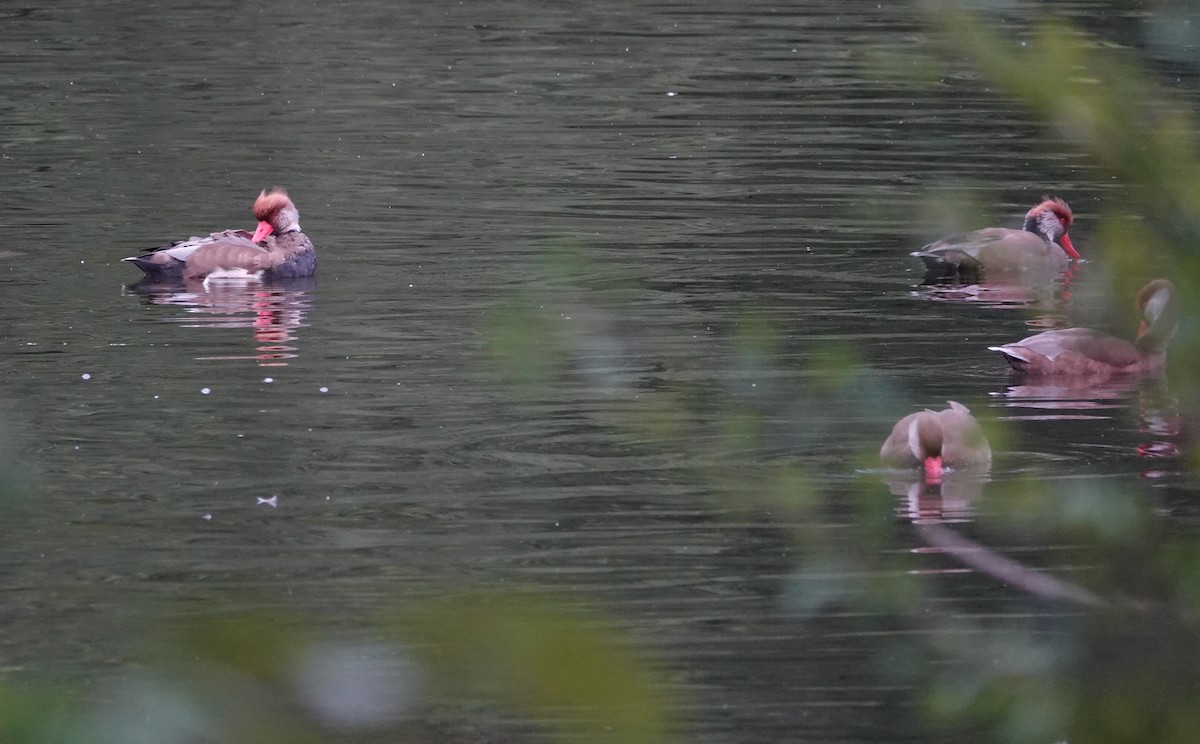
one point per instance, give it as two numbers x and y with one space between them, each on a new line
713 164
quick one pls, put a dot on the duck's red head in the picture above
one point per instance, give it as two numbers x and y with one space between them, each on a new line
1055 209
270 206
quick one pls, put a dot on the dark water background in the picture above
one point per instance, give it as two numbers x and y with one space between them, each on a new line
724 160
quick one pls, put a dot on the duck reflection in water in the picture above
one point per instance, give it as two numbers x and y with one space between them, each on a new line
273 311
1160 425
947 502
1038 291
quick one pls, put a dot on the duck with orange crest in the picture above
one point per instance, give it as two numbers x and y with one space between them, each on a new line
1042 245
277 249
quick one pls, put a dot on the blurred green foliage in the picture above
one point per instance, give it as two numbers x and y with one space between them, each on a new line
284 679
526 651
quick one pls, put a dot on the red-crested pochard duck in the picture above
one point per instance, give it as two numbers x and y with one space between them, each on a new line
1083 352
950 438
276 250
1042 245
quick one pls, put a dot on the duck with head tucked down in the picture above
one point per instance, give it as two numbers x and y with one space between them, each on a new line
277 249
935 440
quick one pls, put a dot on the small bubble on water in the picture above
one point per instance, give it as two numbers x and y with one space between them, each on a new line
205 391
